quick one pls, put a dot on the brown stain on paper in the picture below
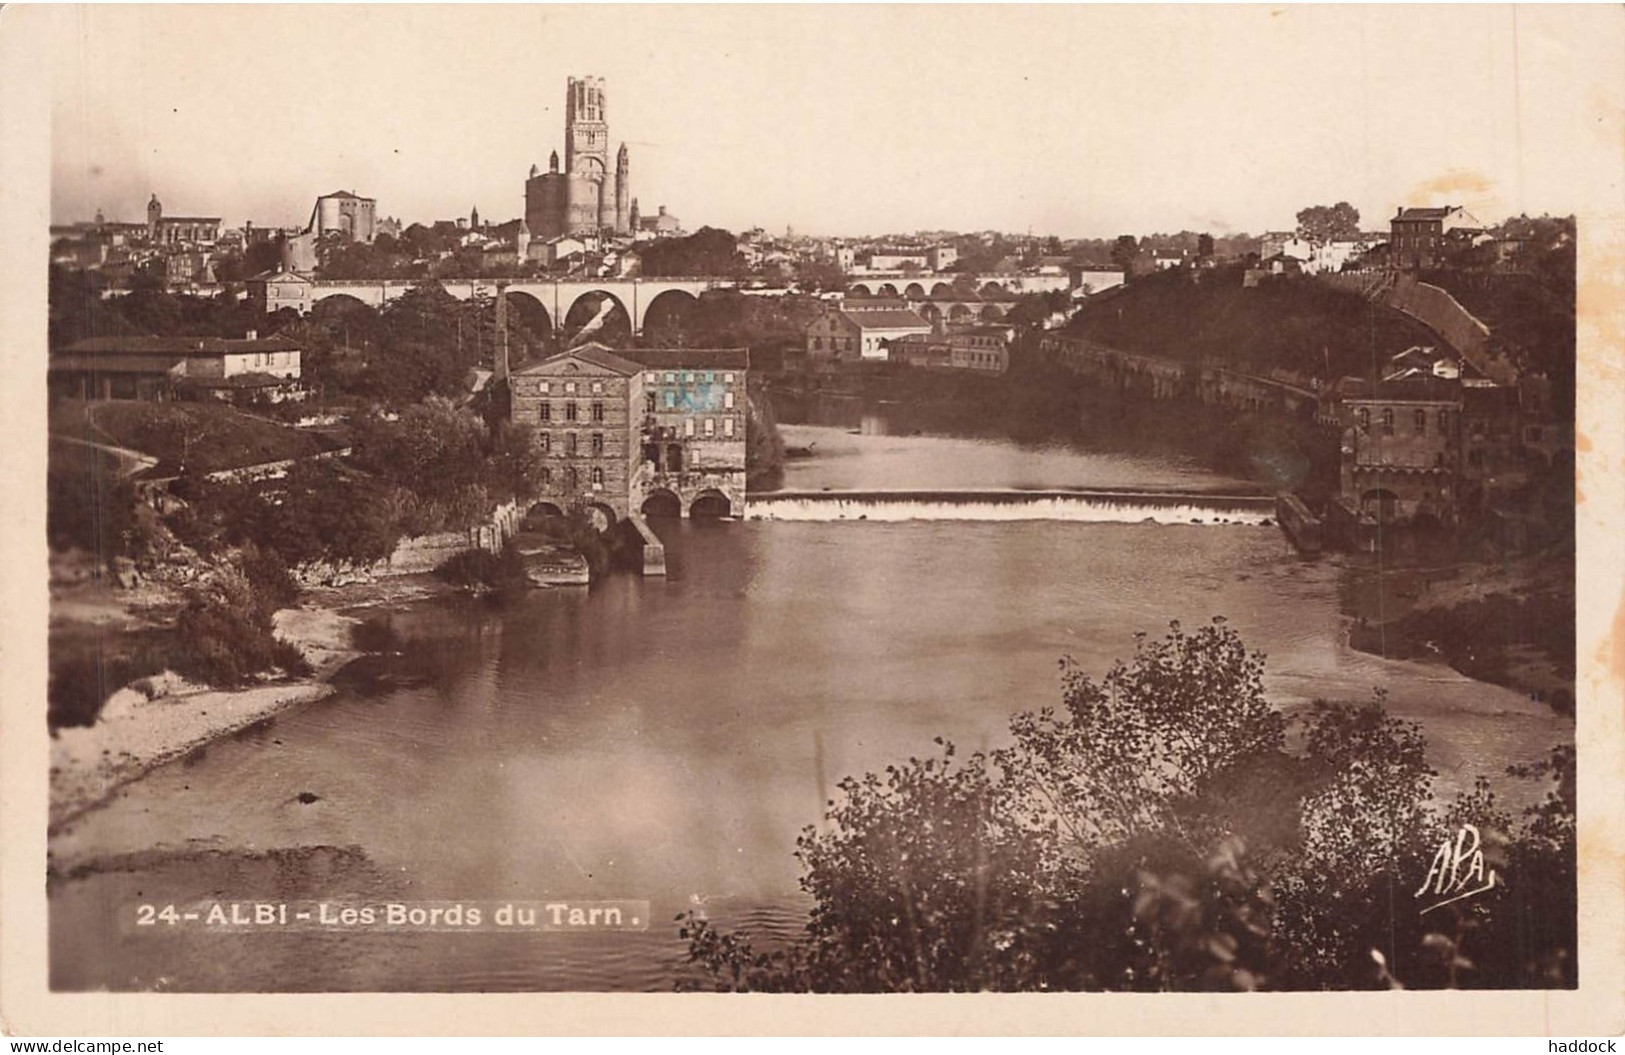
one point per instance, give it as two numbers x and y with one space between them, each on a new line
1465 182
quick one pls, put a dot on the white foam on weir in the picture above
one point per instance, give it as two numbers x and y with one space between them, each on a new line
1081 507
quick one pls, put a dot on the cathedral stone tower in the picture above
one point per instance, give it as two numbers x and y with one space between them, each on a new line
623 192
587 197
586 155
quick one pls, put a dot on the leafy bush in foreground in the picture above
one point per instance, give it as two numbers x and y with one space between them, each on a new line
1156 834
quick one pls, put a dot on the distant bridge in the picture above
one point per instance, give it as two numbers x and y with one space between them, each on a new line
939 286
556 297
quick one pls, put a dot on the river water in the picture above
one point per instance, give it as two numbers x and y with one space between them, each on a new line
666 740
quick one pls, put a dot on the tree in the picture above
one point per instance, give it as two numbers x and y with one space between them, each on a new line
1328 223
708 251
1125 251
1152 834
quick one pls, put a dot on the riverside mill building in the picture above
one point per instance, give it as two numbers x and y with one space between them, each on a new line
653 431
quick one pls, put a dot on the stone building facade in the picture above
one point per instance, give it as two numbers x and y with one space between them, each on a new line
585 408
694 436
1420 237
346 213
659 431
588 196
1401 449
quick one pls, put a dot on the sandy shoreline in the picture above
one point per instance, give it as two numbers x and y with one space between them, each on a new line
135 735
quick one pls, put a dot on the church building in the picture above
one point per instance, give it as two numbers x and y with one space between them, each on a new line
587 198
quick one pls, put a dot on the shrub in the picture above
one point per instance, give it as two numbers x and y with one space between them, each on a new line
480 568
224 636
1155 834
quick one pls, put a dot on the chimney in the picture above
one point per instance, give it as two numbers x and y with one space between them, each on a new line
253 335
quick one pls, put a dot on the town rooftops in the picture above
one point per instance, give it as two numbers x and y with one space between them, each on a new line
691 358
187 219
894 319
597 354
346 194
179 346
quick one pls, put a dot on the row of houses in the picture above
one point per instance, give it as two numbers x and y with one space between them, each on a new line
252 370
860 331
1418 238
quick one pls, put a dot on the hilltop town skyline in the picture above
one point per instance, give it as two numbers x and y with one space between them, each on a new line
1015 135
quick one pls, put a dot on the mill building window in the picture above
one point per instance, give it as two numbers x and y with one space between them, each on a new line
570 444
569 412
598 477
546 412
1387 421
546 440
1421 423
598 412
598 443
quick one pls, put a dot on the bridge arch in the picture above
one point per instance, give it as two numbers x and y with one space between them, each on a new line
942 289
539 510
671 307
914 291
992 312
1380 503
530 309
532 338
340 302
597 315
930 313
858 291
886 289
960 313
992 289
662 503
710 504
602 516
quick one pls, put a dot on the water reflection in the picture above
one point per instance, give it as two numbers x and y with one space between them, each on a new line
666 739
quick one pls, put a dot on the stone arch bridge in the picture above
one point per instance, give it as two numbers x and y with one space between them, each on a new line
554 296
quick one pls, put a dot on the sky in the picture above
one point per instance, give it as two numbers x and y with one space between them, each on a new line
1079 121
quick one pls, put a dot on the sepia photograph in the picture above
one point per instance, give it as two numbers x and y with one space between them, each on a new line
822 500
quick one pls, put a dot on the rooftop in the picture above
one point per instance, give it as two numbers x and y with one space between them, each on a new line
691 358
886 320
1438 212
1408 390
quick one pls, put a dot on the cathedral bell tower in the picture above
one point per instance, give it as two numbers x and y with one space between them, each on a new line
623 192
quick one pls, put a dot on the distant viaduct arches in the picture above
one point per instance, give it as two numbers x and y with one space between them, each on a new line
555 296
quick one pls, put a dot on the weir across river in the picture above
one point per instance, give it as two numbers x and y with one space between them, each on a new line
1116 506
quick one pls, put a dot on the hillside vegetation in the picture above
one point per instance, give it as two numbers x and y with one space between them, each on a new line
203 437
1285 323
